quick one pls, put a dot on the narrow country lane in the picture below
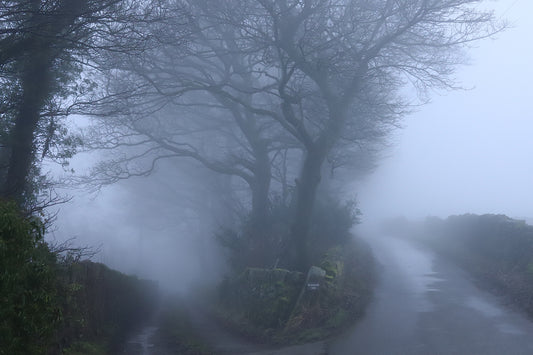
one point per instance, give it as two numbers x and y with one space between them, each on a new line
426 305
423 305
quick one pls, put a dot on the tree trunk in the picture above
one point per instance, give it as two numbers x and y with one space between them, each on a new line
36 83
259 213
262 250
306 189
260 190
307 186
35 90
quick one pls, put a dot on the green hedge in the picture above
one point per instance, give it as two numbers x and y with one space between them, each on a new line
51 307
29 308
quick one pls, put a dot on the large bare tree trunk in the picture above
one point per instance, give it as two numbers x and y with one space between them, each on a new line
306 190
261 248
307 187
260 189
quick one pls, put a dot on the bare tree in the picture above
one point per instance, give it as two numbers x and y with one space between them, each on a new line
351 55
188 104
327 73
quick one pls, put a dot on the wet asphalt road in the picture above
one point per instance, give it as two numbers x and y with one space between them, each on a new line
426 305
141 344
423 305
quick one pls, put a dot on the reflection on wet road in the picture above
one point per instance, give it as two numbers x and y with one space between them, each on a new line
426 305
141 344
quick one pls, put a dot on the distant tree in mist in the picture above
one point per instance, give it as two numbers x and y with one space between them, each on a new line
255 80
182 106
352 58
188 108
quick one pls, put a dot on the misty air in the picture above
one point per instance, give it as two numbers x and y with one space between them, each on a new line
284 177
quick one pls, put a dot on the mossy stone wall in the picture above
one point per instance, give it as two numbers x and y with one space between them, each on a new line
265 297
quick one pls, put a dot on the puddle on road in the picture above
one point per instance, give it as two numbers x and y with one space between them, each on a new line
483 306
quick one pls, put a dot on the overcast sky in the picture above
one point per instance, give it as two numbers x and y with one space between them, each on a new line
468 151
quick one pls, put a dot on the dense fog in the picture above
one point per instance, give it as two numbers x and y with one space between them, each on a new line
266 177
466 151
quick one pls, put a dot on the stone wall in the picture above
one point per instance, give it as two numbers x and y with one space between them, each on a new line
283 306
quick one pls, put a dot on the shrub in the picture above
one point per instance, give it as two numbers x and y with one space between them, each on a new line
29 310
331 223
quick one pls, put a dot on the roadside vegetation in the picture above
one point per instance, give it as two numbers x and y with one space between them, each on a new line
279 306
495 249
52 303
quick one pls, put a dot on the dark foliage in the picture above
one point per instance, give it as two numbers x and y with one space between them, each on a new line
250 247
274 305
29 307
102 305
331 225
47 305
263 297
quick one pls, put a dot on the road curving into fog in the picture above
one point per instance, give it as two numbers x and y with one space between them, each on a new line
425 305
